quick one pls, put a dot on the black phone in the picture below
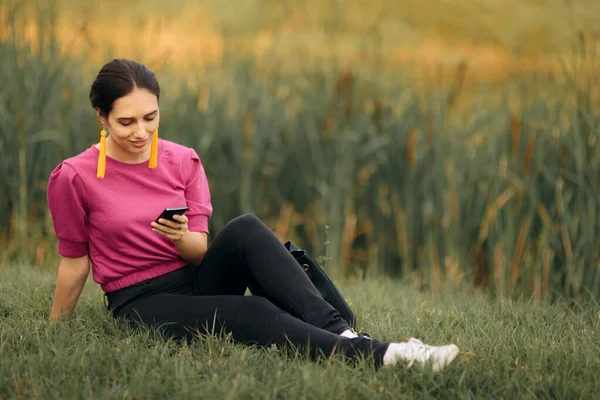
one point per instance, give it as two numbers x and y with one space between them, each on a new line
169 212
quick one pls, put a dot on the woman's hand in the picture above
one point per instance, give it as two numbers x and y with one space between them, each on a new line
191 245
173 230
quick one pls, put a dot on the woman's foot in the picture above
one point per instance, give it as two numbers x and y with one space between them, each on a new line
350 334
415 351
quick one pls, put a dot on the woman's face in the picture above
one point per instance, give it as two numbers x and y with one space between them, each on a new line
132 122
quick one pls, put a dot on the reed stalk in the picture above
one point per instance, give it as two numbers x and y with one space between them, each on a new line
461 185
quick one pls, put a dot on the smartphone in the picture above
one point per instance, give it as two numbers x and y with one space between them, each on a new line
169 212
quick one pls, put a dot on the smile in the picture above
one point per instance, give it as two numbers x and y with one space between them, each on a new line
140 143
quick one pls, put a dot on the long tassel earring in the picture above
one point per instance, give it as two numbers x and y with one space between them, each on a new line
154 151
102 155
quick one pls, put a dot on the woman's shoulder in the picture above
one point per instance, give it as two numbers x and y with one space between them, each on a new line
178 151
77 164
181 158
67 178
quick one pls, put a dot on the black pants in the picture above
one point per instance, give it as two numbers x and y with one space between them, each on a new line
285 307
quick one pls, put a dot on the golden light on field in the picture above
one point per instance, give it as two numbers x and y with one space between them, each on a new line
196 36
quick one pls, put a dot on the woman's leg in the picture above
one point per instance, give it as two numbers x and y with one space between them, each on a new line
246 253
249 319
169 302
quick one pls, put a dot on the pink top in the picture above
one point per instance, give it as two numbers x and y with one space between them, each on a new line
109 219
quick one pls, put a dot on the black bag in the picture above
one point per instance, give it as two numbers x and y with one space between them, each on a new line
322 282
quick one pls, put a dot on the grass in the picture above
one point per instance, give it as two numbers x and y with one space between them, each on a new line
512 349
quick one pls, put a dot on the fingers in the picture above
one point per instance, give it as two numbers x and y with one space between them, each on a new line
168 228
173 230
171 233
169 224
180 219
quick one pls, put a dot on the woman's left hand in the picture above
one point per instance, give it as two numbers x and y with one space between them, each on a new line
173 230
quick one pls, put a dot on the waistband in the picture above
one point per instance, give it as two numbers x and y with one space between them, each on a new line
142 275
116 300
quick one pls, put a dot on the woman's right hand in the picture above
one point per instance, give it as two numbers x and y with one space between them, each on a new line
72 274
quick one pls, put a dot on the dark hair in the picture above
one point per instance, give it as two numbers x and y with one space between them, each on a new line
118 78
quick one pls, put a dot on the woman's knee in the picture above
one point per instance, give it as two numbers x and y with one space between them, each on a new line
246 221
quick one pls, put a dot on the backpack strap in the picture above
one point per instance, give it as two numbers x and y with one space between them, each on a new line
322 282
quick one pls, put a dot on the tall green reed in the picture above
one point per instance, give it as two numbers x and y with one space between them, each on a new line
39 114
381 176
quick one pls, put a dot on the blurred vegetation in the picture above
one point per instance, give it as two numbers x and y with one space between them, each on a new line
376 173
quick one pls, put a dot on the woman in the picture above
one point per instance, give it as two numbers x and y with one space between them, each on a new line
104 203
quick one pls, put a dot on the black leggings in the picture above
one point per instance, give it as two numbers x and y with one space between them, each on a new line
285 307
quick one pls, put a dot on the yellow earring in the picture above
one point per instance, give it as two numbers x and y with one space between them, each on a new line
102 155
154 151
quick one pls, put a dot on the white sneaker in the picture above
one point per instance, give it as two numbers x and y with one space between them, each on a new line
351 334
415 351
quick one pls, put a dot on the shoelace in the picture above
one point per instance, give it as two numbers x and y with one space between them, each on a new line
418 351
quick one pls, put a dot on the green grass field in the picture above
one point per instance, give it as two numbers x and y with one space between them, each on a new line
511 350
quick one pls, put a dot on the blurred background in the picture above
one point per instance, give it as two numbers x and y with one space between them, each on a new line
443 142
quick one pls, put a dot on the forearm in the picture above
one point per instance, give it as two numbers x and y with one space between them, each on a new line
69 285
192 247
